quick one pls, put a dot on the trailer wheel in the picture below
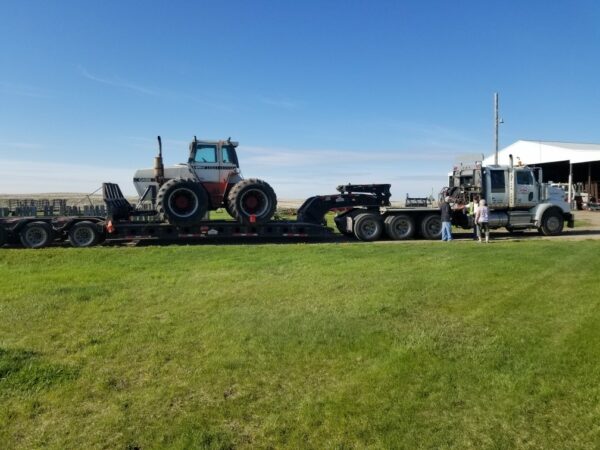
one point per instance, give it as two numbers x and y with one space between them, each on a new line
252 198
431 227
36 235
552 222
367 227
400 227
84 234
182 201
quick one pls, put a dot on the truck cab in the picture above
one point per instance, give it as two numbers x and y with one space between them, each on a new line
516 196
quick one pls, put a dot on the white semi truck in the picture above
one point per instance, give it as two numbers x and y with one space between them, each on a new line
517 197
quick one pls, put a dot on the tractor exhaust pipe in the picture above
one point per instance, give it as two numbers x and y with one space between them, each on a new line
159 167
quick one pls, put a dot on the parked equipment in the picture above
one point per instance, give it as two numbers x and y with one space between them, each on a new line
211 179
183 195
517 197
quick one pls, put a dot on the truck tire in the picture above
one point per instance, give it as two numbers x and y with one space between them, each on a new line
36 235
399 227
552 222
182 202
431 227
84 234
252 198
367 227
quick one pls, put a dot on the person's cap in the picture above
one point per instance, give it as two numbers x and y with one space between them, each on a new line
447 199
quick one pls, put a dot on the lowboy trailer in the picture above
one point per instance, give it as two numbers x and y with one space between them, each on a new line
364 212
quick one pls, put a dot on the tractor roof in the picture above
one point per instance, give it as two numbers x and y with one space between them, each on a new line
222 142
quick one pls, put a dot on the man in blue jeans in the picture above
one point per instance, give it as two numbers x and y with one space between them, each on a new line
446 216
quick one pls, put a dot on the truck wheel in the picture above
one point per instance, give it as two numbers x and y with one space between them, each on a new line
367 227
399 227
431 227
36 235
252 197
182 201
84 234
552 222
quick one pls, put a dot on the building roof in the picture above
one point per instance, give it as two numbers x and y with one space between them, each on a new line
539 152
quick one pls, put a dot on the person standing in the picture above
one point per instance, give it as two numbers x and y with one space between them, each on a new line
446 216
471 210
482 217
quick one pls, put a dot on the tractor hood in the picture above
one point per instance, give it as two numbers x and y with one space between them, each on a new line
145 177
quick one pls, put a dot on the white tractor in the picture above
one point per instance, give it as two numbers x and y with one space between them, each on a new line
211 179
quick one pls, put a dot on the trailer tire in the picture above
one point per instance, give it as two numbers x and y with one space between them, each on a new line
252 198
36 235
431 227
182 201
367 227
84 234
400 227
552 222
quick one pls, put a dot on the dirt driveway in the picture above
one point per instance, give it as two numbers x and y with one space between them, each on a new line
587 226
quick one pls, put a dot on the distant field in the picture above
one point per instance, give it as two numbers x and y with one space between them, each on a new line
417 345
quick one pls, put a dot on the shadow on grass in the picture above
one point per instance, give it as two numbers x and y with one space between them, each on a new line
25 371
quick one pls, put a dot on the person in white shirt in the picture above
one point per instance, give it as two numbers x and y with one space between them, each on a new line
482 218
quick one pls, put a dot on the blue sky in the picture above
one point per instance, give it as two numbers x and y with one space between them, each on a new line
317 92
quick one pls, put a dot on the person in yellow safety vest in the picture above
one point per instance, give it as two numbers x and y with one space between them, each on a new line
471 210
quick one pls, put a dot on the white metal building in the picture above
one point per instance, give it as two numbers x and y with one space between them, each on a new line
561 162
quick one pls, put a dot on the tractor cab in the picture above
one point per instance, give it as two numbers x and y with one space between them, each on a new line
222 153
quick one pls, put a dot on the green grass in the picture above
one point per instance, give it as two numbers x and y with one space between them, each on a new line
412 345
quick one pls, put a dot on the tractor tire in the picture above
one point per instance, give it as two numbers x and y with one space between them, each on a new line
400 227
431 227
36 235
552 222
84 234
368 227
250 199
182 202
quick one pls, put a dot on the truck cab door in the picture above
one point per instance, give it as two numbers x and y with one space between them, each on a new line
525 193
205 165
496 188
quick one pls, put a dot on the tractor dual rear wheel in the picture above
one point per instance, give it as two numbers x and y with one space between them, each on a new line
182 202
252 201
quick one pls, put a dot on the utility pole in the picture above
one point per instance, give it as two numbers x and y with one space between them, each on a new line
496 123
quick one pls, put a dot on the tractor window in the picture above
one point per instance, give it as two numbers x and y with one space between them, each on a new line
524 177
228 155
206 154
498 182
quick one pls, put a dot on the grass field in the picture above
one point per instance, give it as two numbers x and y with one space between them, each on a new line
415 345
